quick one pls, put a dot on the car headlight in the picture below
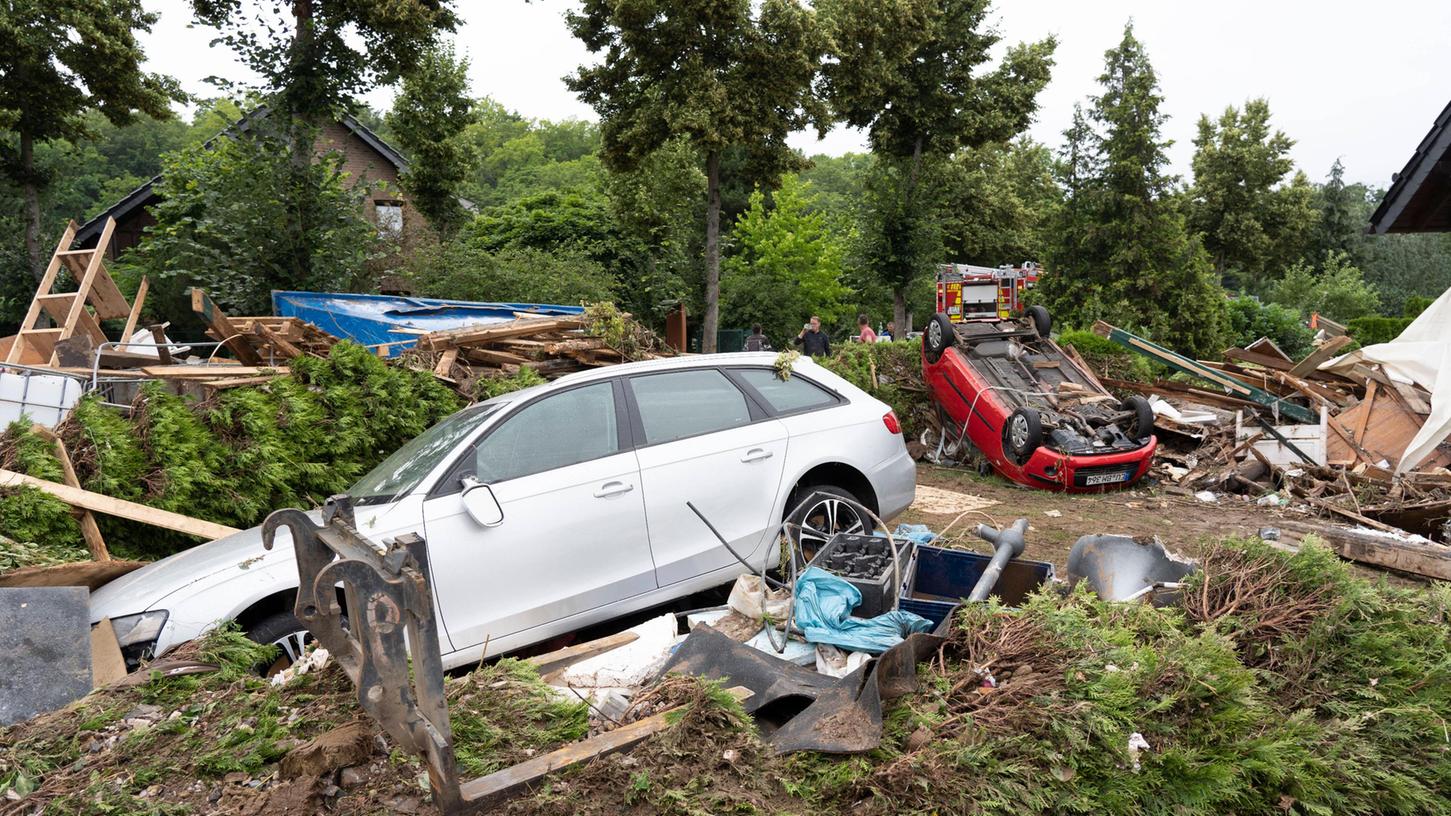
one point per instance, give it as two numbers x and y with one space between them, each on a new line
142 628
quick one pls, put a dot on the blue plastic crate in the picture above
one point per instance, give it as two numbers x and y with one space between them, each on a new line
939 612
949 575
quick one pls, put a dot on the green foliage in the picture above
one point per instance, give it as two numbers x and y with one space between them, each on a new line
1123 251
1415 304
464 271
297 439
225 224
1338 291
428 118
744 83
1107 358
999 201
60 61
317 56
891 372
27 515
1373 329
521 716
1253 220
787 265
911 74
1250 319
490 387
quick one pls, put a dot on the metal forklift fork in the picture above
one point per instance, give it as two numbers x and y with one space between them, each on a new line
390 623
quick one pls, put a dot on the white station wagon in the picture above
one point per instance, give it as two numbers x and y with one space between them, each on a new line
564 505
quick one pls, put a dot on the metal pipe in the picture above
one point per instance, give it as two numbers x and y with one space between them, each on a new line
1009 544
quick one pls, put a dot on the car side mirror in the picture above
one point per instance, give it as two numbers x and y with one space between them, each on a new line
480 502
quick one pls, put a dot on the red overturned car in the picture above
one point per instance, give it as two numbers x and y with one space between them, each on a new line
1030 411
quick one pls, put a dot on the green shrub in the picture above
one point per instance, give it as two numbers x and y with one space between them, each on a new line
232 459
1375 329
1109 359
898 377
1250 319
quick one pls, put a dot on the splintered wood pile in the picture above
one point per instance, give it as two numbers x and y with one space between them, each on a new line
1342 467
550 346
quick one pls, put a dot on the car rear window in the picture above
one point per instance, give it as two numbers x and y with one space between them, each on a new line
786 396
686 403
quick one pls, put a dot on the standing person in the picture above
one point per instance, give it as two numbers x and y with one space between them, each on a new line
812 340
757 341
864 329
891 332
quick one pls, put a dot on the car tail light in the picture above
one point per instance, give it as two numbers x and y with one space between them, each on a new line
890 420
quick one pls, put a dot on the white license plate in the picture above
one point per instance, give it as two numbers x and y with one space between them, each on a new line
1106 478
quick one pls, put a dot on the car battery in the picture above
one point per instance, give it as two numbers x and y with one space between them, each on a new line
864 562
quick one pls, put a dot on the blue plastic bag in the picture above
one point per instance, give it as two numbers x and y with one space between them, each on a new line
918 533
823 605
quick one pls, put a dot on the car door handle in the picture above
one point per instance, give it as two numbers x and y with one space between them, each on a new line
609 489
757 455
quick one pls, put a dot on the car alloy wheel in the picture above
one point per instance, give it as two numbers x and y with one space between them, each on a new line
1018 432
293 645
934 334
829 516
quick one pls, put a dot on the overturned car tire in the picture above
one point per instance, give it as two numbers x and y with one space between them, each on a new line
1022 434
939 337
1142 426
1042 322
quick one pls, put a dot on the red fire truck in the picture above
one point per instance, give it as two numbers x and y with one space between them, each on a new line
967 292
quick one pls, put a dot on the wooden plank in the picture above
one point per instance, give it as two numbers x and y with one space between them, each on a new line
111 506
1365 408
89 530
158 338
90 574
205 372
1312 361
135 312
1411 397
222 328
107 664
468 335
1268 348
1262 360
569 655
47 282
241 382
1418 558
94 268
493 356
489 791
445 362
276 340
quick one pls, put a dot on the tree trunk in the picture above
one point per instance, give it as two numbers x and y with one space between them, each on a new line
711 324
32 206
300 148
899 313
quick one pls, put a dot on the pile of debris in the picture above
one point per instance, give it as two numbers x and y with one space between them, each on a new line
550 347
45 368
1348 435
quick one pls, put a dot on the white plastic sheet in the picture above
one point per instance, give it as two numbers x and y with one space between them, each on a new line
1420 355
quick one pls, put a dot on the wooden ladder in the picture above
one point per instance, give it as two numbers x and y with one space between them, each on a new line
95 289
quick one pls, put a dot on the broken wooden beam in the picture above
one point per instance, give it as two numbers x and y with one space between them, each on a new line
221 327
111 506
1312 361
1414 556
90 531
491 790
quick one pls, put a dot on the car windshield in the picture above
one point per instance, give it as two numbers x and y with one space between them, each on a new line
401 472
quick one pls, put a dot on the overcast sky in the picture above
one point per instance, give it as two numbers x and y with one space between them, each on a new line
1345 78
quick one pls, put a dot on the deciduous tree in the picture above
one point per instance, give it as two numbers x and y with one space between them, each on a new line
429 117
721 73
912 74
60 59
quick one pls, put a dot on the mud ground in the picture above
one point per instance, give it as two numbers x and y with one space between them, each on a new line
1056 520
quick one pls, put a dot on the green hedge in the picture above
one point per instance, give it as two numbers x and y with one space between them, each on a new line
1375 329
1107 358
231 459
898 367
